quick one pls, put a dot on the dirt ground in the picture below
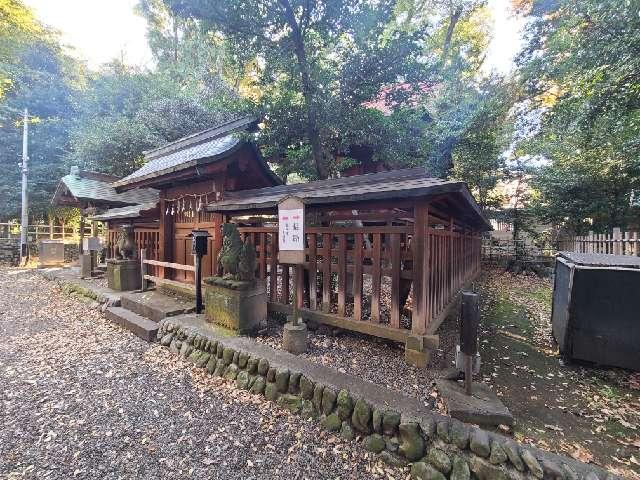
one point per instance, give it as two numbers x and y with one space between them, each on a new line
82 398
587 412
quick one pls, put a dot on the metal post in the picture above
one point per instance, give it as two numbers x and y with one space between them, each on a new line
25 199
197 260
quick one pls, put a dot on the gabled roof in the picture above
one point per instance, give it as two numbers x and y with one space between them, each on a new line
392 185
197 149
96 188
133 211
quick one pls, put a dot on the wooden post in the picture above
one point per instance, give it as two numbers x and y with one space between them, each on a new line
143 268
420 246
469 321
616 241
50 227
81 246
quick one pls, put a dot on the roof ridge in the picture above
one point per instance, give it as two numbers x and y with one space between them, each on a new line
217 131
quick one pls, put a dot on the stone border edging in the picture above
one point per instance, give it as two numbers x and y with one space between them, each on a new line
396 426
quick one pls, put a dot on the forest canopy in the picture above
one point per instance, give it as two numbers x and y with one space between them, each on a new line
337 84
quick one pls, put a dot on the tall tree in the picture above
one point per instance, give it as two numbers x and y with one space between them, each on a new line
581 73
317 63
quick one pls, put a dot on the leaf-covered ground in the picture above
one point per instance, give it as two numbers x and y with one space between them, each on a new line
83 398
590 413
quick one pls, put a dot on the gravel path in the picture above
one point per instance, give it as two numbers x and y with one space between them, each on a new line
376 360
81 398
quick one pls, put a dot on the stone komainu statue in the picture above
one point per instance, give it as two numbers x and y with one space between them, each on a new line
236 259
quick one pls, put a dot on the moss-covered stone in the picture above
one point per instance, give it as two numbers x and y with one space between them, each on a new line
442 427
328 400
242 380
459 469
282 380
185 350
174 347
259 385
227 355
243 358
236 358
220 350
291 402
439 460
484 470
271 374
263 367
422 471
390 422
459 434
392 459
361 417
202 361
220 368
531 462
211 364
252 366
411 442
317 397
194 356
346 432
306 388
428 427
511 449
166 340
344 404
308 410
294 383
376 420
232 372
479 442
498 455
374 443
331 422
271 392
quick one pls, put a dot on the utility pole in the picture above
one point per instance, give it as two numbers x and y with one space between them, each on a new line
24 251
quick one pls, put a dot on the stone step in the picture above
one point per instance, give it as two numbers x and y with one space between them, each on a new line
142 327
155 305
102 267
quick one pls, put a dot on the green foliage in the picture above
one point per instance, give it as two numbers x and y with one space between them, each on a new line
313 66
581 70
34 74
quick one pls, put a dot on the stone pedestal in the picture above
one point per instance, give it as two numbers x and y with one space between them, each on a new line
86 265
294 338
51 253
239 306
123 275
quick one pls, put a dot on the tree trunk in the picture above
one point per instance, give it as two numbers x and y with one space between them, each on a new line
455 16
307 92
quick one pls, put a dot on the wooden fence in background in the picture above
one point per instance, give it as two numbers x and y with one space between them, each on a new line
616 243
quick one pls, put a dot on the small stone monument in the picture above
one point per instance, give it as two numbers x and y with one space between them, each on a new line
123 272
236 299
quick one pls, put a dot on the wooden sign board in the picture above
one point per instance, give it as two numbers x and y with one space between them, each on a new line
291 231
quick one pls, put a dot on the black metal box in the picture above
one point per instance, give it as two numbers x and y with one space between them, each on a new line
596 308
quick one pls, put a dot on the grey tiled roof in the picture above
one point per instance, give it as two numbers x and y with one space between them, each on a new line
124 212
98 191
207 145
393 185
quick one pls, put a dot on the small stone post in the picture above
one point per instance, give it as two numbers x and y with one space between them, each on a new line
470 318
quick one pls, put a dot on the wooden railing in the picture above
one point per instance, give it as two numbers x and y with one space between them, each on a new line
365 274
42 232
157 276
616 243
145 238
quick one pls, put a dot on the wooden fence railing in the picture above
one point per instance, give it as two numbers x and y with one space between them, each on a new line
145 238
364 274
42 232
616 243
151 270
